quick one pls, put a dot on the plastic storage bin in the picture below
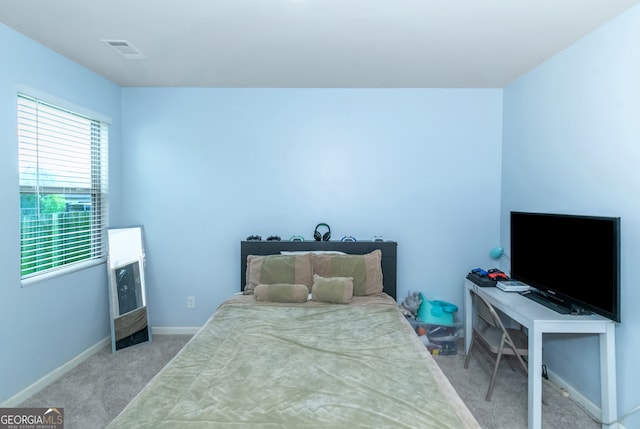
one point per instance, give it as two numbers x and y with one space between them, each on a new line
443 338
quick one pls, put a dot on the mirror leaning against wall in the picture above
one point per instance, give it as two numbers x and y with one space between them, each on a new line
127 288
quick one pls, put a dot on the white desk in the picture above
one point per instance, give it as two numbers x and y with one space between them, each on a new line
539 320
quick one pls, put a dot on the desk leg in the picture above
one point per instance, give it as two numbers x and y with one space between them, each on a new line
535 378
468 319
608 376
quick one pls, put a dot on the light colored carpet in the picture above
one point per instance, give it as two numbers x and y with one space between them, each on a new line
508 406
94 392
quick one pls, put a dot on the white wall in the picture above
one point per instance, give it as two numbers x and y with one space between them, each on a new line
45 325
571 134
205 168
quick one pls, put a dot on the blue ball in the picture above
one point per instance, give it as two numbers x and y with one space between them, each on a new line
496 252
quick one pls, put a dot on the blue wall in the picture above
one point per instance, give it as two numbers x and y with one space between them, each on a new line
205 168
437 170
44 325
201 169
571 145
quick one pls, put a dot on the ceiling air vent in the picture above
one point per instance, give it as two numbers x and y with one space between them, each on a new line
125 49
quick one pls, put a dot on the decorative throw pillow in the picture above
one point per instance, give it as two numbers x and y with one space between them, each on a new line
281 292
366 270
271 269
337 290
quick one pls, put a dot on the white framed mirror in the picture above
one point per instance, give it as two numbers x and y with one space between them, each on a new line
127 288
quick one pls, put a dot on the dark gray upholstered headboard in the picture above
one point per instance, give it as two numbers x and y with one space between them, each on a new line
388 248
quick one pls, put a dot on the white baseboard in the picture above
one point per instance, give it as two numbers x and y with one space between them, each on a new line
54 375
560 385
34 388
178 330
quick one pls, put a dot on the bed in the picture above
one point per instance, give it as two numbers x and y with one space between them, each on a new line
278 355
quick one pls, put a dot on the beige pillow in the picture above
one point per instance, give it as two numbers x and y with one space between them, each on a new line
281 292
337 290
271 269
366 270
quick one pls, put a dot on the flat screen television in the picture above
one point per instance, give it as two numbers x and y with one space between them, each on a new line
571 259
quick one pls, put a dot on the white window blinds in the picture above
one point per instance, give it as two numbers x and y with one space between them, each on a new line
62 159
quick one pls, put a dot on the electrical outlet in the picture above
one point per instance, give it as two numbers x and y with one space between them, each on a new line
191 302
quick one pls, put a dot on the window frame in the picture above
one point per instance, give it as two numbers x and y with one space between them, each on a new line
98 186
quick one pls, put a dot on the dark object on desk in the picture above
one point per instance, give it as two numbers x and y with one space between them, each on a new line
254 238
481 280
548 301
273 238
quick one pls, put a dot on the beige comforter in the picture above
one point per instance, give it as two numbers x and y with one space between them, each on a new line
263 365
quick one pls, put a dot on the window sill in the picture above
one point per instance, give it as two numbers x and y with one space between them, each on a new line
38 278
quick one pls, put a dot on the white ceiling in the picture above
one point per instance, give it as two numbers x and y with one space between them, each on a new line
311 43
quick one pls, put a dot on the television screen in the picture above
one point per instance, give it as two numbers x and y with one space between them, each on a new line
575 259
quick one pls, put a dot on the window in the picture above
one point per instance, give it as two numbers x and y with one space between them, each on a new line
62 160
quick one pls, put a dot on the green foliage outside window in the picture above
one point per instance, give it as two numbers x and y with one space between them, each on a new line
54 203
54 237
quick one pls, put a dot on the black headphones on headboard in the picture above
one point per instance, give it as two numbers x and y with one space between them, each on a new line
324 237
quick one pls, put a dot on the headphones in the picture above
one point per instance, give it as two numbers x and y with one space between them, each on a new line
324 237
